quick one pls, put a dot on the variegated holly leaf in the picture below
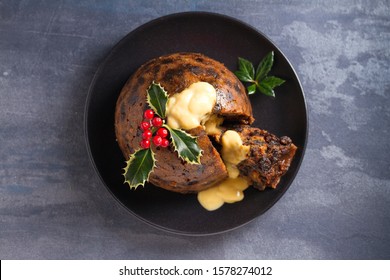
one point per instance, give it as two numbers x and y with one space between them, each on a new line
139 167
157 99
186 145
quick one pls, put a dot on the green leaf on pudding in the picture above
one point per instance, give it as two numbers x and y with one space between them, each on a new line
157 99
186 145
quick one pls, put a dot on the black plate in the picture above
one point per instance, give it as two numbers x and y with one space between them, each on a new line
224 39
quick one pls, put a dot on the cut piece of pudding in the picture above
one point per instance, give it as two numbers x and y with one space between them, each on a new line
252 156
268 159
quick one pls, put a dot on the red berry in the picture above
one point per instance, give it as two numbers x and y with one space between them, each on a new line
157 121
148 114
164 143
145 143
163 132
157 140
145 125
147 134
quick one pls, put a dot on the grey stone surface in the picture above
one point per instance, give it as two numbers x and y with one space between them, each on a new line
52 204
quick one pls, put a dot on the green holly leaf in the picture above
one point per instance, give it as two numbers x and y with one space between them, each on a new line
157 99
264 66
251 89
139 167
272 81
246 71
185 144
259 80
265 89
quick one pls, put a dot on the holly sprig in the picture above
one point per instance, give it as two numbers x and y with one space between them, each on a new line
259 79
156 132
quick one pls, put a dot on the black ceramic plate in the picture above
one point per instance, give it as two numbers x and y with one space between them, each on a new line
224 39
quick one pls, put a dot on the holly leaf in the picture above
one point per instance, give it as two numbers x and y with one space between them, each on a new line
264 66
266 89
259 80
272 81
186 145
139 167
251 89
157 99
246 71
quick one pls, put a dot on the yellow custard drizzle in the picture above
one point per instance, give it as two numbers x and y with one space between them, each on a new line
231 189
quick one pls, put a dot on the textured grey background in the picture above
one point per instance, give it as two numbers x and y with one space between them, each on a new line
52 204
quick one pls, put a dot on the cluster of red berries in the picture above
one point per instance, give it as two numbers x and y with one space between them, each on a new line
160 137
